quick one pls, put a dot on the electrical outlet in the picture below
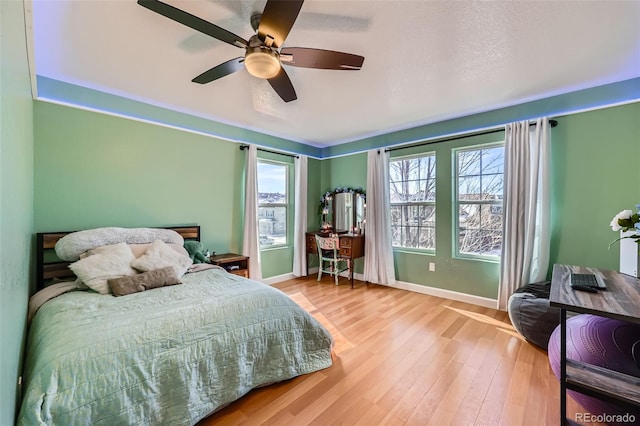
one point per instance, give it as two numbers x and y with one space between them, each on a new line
432 266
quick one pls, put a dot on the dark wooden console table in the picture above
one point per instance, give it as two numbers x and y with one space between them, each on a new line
621 300
351 248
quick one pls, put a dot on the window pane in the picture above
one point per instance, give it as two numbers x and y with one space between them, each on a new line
409 236
396 236
412 179
469 216
412 182
431 189
493 160
272 189
272 183
395 215
428 215
481 181
469 163
396 171
427 238
272 226
413 226
469 188
492 186
491 217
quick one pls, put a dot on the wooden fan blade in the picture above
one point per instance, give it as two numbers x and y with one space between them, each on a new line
194 22
277 19
283 86
220 71
318 58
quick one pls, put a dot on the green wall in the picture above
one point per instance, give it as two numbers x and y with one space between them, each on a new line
596 174
16 190
461 275
315 188
91 167
95 170
349 170
469 276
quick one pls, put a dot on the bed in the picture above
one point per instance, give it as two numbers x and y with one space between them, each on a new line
169 355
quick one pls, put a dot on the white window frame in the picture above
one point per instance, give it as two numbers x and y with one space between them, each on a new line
420 203
492 203
284 204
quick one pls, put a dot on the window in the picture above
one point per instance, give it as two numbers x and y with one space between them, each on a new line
272 203
412 192
479 195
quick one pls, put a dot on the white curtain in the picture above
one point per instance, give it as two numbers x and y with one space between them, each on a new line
250 245
526 228
300 215
378 259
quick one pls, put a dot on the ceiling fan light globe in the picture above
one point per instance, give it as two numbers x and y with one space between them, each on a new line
262 62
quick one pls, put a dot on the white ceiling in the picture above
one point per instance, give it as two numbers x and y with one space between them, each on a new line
425 61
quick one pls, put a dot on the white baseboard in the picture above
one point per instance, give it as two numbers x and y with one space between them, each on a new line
447 294
278 278
312 271
416 288
356 276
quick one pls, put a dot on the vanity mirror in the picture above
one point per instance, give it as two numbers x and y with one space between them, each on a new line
344 209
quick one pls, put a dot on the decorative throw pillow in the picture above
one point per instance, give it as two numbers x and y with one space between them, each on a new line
144 281
160 255
112 262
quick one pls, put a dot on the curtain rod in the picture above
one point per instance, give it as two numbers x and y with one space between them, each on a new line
553 123
243 147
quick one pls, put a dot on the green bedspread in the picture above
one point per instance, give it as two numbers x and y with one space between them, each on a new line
167 356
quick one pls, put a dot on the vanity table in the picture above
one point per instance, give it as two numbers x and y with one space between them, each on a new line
345 215
351 247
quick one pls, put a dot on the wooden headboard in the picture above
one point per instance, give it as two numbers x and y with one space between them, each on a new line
50 269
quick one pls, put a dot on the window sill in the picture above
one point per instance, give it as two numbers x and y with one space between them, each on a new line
477 258
420 252
274 247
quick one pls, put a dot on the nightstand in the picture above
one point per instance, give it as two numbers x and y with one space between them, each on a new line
234 263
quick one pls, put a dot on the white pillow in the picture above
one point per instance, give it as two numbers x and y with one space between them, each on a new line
111 261
160 255
140 249
72 245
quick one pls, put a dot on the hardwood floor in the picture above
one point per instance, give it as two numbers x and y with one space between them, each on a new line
403 358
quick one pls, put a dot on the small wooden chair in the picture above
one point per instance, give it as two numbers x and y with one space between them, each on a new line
329 257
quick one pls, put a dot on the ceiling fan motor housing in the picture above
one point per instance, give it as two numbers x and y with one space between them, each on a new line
261 61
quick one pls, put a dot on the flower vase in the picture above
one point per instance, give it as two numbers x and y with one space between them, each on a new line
629 255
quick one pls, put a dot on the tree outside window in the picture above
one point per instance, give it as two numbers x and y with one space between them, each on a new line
412 191
272 203
479 198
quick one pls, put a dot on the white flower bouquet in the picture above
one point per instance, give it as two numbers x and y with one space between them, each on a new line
624 222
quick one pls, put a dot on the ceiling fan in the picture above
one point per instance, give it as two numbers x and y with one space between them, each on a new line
264 54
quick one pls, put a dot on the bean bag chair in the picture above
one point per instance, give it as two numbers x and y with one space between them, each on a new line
605 342
531 314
